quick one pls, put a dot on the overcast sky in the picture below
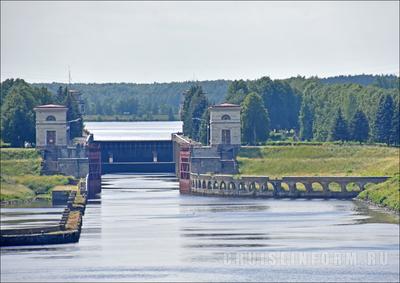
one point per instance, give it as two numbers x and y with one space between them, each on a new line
180 41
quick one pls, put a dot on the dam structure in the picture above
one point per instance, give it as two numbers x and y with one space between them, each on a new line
201 169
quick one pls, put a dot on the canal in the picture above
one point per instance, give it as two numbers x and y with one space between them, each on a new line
144 230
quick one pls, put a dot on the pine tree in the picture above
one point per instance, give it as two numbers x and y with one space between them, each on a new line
61 95
255 120
74 117
359 127
339 131
204 128
395 131
306 122
198 106
383 120
194 106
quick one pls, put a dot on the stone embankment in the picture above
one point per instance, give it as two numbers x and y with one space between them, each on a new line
67 231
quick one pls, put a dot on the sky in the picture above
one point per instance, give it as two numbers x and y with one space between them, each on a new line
147 42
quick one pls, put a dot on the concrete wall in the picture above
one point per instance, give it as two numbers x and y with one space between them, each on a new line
205 159
78 167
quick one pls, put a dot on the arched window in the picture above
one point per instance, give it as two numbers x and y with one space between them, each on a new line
50 118
226 117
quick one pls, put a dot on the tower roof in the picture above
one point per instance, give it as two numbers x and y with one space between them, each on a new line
51 106
222 105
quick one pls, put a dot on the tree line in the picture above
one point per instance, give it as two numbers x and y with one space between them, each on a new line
313 108
143 101
316 110
18 99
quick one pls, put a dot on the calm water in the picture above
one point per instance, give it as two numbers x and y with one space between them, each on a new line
143 230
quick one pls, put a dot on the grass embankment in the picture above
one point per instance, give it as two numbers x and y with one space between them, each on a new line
329 160
385 194
20 176
319 160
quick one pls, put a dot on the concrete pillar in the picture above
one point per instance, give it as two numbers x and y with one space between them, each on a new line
292 187
325 186
308 187
343 187
277 186
236 187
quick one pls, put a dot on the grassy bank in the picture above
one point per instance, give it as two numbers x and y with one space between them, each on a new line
319 160
20 176
329 160
385 194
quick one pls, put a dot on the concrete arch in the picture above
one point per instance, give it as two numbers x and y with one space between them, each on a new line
269 186
300 186
231 186
209 185
353 186
242 186
264 187
215 185
316 186
334 187
252 186
222 185
285 186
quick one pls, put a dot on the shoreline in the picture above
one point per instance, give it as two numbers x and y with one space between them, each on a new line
372 204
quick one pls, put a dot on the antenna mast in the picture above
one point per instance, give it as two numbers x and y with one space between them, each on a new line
69 76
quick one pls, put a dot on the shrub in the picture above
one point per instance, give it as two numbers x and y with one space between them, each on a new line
42 184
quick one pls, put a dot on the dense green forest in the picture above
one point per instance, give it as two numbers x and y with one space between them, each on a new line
144 101
149 101
310 110
362 108
383 81
324 101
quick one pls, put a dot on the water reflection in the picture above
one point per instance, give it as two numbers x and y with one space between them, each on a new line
143 230
375 214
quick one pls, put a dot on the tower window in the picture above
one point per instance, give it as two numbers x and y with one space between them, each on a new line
50 118
226 117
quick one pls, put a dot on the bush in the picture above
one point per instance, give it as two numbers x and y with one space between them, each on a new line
19 153
43 184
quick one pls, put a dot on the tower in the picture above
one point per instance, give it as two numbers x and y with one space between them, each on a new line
225 125
51 125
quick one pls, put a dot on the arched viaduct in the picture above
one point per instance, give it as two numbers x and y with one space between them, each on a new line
287 187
